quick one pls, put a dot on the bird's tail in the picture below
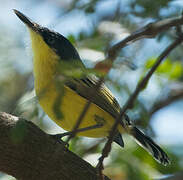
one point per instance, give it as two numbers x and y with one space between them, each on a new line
149 145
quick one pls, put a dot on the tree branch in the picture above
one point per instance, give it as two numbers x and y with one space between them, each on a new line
27 153
129 104
149 31
173 96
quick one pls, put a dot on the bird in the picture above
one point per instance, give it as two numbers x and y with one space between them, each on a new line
64 86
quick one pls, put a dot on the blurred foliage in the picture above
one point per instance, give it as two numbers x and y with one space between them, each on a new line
107 21
170 69
149 8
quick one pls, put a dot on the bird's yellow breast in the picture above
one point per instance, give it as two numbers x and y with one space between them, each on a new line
63 105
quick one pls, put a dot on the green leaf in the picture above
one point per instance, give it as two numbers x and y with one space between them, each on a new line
176 71
71 38
171 69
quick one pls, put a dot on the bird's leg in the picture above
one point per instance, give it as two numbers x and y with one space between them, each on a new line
99 123
78 130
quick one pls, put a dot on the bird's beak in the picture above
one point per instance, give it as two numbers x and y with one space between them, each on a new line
27 21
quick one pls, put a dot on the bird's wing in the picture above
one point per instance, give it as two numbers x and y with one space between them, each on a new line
103 98
85 87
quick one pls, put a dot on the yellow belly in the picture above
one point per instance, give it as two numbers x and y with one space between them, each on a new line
46 66
71 106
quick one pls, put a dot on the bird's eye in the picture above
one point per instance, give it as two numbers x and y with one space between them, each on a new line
51 40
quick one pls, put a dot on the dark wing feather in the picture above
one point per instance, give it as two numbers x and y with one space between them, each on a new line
103 98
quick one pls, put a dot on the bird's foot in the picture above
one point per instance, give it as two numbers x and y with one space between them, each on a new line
59 137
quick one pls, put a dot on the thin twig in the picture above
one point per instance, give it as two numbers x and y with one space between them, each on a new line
85 109
131 100
172 97
149 31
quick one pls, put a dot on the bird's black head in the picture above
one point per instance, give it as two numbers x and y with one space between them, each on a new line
58 43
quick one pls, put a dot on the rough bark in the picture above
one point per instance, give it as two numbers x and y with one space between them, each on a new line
28 153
